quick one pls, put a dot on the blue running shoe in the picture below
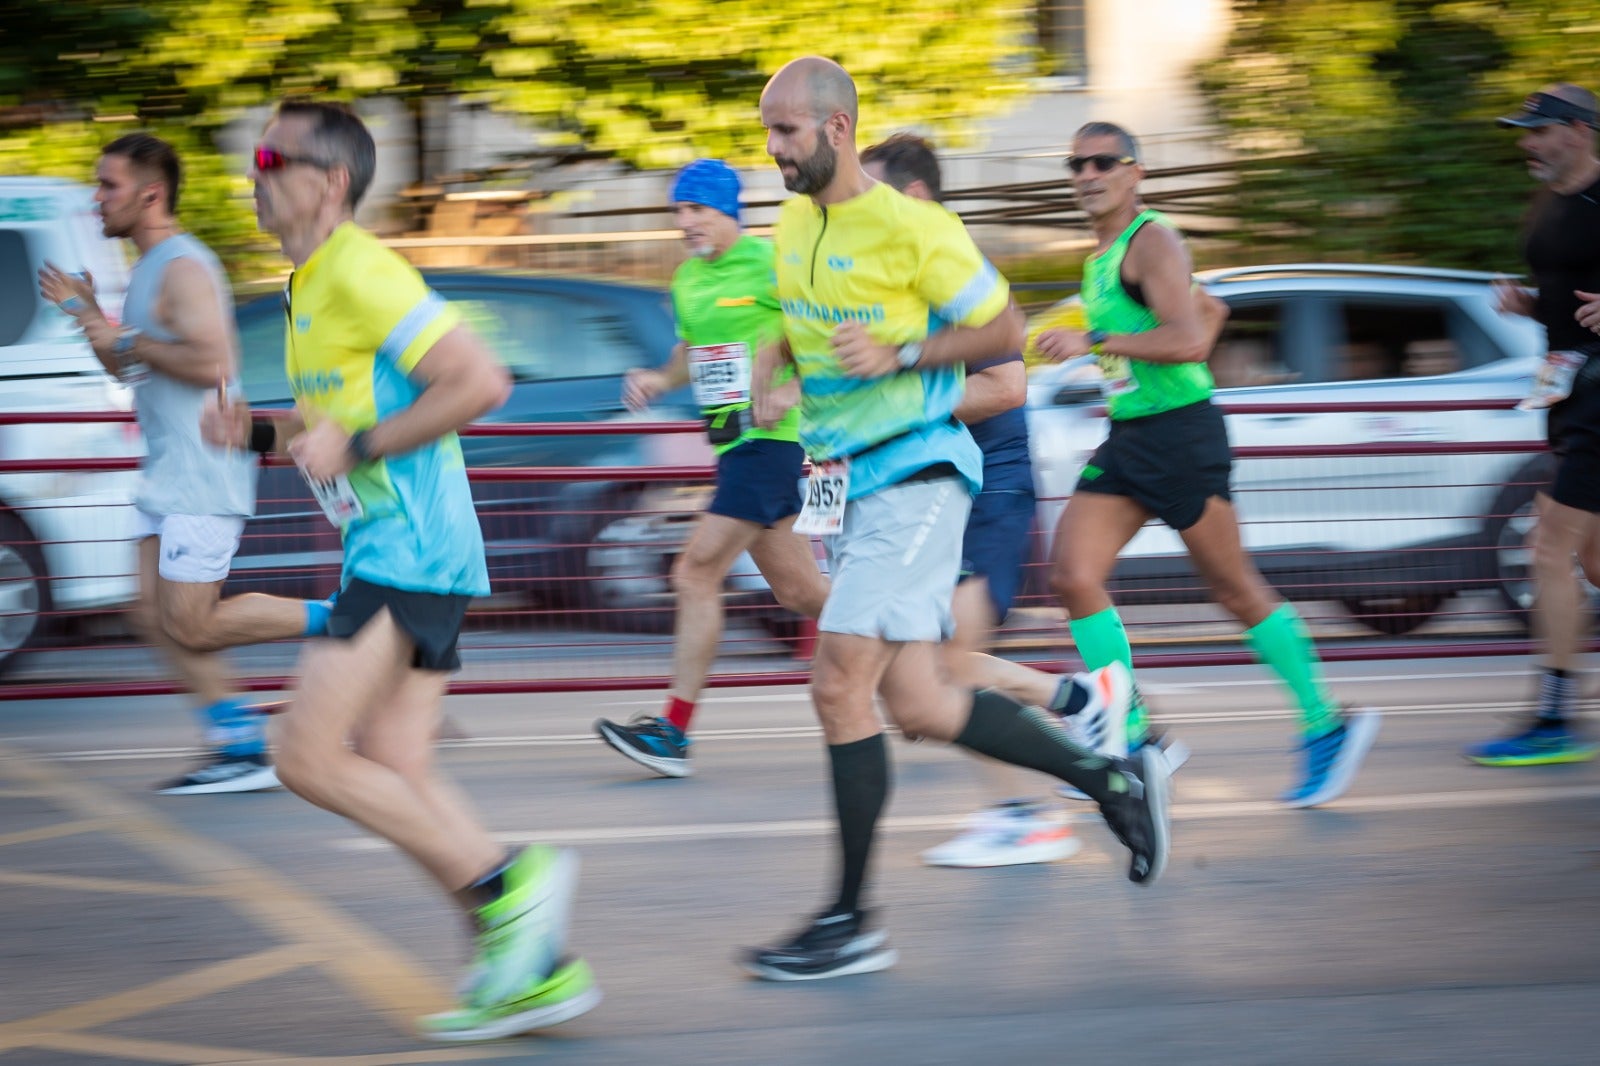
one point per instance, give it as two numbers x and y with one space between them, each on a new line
653 743
1333 759
1541 745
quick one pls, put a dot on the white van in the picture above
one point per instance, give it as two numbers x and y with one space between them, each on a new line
64 536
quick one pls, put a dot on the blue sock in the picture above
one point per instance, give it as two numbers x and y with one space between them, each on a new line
317 612
234 728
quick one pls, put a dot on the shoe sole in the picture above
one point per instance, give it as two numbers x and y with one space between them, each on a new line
664 767
878 960
524 1022
261 780
1361 730
1556 759
1157 775
1024 856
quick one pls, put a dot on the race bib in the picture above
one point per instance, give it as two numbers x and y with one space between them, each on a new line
720 374
1552 383
336 497
1117 376
827 489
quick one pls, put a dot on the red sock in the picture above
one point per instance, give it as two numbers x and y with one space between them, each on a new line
679 712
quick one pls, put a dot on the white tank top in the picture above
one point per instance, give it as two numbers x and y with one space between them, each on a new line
182 474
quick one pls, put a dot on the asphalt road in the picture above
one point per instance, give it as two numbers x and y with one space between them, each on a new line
1441 913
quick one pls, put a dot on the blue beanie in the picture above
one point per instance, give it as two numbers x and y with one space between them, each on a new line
710 182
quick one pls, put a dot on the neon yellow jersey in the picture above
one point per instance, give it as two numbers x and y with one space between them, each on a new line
891 263
360 319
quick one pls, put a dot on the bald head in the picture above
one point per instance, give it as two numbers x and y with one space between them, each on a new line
820 85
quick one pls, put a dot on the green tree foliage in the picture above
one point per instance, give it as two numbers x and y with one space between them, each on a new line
1366 126
654 83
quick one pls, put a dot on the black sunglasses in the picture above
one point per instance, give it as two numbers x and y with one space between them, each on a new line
1104 162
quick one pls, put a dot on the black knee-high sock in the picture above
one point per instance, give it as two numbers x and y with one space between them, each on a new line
1003 729
860 789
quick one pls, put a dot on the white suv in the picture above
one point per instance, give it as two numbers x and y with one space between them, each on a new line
1389 536
64 536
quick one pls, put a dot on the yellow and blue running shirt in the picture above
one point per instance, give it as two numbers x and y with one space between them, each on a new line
360 319
890 262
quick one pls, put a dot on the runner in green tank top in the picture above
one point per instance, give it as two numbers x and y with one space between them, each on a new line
727 308
1167 457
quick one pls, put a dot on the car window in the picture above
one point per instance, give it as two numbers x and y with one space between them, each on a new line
1251 349
541 336
261 356
17 281
1383 339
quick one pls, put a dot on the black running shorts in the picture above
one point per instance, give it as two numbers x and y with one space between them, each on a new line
432 621
1169 463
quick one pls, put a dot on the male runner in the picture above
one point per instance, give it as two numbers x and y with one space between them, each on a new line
726 310
859 268
1167 457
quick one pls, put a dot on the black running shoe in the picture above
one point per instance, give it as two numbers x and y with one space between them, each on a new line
224 773
833 945
1139 816
654 743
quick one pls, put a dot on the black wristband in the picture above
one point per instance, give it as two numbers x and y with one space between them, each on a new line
263 436
358 447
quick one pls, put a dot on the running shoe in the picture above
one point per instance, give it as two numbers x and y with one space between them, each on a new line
1139 814
1539 745
224 773
832 945
654 743
1102 725
1332 759
522 935
1008 834
538 1003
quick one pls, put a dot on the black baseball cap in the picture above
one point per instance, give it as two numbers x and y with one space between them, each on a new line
1542 109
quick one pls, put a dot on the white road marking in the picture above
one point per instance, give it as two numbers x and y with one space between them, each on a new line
806 732
1183 812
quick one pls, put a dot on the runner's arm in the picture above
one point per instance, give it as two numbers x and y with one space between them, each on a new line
1158 263
993 390
190 308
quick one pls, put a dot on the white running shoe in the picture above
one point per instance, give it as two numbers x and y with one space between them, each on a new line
1008 834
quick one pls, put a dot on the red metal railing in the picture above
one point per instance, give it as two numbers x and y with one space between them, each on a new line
580 558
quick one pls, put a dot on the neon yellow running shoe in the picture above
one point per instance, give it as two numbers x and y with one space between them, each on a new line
523 934
538 1004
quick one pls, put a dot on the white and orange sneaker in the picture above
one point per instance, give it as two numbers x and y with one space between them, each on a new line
1013 833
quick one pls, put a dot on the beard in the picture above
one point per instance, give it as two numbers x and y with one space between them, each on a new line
813 174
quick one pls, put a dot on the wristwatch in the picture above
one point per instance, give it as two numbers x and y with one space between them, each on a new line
1096 337
910 354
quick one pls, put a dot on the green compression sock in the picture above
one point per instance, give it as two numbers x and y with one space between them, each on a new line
1281 642
1101 641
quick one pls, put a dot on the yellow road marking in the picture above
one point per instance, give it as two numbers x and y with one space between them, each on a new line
378 974
167 992
52 832
104 884
125 1048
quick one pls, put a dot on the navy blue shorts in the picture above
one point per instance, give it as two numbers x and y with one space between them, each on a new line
996 543
1169 463
759 481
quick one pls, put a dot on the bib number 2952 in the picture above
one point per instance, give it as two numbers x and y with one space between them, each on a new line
827 490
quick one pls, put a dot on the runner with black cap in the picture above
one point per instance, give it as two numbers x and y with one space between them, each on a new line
1561 242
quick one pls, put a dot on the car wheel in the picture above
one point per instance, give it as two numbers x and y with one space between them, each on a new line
1513 516
627 574
24 589
1395 615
